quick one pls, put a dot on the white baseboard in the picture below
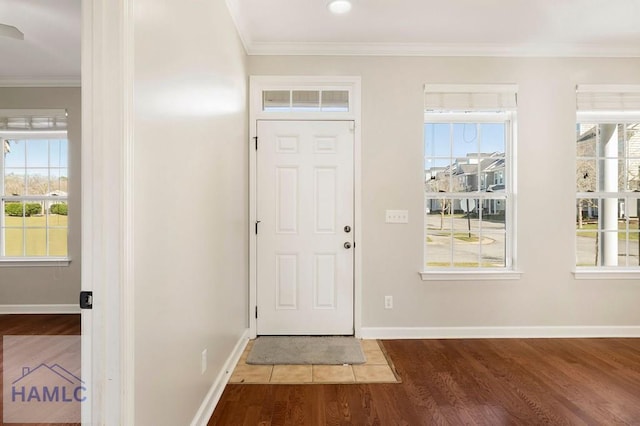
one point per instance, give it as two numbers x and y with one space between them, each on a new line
215 392
39 309
498 332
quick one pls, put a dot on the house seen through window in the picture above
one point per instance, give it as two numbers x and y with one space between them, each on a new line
608 177
468 190
607 186
35 182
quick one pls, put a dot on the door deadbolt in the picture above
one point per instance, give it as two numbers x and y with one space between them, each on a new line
347 245
347 229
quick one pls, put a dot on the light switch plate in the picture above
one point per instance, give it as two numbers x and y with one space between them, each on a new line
397 216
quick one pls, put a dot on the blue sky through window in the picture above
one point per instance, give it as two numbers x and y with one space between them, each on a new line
443 142
37 153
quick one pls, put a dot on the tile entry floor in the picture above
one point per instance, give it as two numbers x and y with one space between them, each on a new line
377 369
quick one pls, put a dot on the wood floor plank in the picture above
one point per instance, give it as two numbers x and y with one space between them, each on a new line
36 325
478 382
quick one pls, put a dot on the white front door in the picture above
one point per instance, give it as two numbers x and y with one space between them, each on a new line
305 239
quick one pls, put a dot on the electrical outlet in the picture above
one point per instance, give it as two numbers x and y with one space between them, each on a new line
397 216
203 362
388 302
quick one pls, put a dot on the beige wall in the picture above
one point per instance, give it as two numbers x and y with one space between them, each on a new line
392 178
49 285
190 191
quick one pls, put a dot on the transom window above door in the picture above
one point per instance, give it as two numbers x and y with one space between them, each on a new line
305 100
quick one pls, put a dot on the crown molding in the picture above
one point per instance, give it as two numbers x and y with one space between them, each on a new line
447 49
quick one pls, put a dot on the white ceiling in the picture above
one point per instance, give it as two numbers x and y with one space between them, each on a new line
441 27
50 51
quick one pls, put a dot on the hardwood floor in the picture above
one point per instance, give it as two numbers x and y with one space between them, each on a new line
35 325
54 325
463 382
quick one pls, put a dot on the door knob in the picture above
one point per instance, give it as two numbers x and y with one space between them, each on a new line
347 245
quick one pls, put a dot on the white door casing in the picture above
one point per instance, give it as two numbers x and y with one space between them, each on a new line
305 199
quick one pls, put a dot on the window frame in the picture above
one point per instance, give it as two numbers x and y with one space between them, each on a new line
596 272
46 260
509 271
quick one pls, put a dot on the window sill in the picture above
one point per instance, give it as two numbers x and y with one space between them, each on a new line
13 262
606 274
467 275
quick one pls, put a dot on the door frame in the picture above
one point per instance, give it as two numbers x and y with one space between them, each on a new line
258 84
107 187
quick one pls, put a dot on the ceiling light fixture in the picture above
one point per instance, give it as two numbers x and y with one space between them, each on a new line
339 7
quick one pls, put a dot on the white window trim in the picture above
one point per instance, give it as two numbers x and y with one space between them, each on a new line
471 275
511 271
604 272
55 262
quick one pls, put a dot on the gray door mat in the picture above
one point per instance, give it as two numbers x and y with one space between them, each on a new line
332 350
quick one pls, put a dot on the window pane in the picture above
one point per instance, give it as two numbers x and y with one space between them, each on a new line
466 251
492 138
37 181
465 174
628 249
57 242
493 177
587 213
439 213
36 242
438 249
493 250
59 182
629 175
276 100
58 153
586 248
494 213
438 239
467 162
465 139
58 214
586 175
14 182
609 213
618 158
14 213
306 100
37 153
34 217
14 153
586 140
437 140
466 234
14 241
335 100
